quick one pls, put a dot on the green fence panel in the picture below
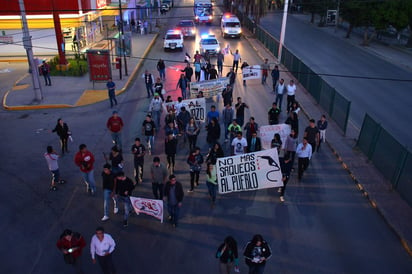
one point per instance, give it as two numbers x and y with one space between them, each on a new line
304 75
327 95
368 135
387 155
295 66
315 85
404 184
287 58
340 111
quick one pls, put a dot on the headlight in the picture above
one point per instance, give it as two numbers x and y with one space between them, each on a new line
210 17
197 17
217 49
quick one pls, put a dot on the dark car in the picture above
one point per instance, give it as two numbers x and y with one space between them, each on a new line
187 27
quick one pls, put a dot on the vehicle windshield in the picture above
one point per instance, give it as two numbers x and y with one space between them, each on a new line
172 36
232 25
186 24
209 42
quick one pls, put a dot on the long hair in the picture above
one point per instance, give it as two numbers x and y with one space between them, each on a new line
231 243
257 238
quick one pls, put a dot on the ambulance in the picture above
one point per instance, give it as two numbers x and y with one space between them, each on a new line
230 26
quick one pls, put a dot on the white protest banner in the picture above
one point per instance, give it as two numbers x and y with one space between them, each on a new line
267 132
209 88
252 72
148 206
196 108
251 171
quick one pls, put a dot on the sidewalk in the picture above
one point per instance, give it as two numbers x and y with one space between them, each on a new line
68 92
371 183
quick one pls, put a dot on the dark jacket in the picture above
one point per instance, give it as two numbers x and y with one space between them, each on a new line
62 131
213 133
124 185
170 146
258 145
178 191
108 181
228 255
250 253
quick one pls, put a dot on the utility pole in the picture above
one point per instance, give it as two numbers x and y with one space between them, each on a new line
38 93
123 46
337 17
282 32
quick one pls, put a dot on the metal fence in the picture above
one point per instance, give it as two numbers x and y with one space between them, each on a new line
336 105
392 159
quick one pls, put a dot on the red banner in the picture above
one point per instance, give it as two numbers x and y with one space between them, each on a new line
99 65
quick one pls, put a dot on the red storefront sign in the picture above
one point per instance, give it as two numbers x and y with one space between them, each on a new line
99 65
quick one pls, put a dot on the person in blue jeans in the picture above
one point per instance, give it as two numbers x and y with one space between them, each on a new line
256 253
124 188
211 182
173 192
108 191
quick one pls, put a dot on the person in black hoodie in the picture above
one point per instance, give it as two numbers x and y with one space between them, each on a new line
124 187
256 253
63 132
170 150
228 256
108 191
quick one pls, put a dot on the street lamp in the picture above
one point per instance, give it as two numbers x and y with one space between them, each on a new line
282 32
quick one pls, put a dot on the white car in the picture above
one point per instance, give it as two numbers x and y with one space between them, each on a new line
209 44
173 40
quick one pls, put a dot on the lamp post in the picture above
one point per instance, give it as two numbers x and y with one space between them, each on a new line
282 32
123 47
38 94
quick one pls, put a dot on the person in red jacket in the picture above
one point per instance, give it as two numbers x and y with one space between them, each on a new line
84 159
115 125
71 245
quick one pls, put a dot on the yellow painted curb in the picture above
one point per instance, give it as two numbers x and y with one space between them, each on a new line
20 87
91 96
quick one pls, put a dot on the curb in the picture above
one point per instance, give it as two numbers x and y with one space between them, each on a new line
58 106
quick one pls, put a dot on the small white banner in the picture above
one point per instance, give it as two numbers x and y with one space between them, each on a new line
209 88
252 72
148 206
267 132
196 108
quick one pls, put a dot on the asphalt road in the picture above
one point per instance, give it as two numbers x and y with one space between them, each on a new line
387 101
325 225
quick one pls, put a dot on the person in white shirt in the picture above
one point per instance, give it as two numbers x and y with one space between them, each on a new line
156 107
291 89
52 162
280 90
101 248
236 59
239 144
304 153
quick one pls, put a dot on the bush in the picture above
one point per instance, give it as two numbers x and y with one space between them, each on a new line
77 66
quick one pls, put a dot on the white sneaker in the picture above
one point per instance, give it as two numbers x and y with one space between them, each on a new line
115 210
105 218
282 199
279 190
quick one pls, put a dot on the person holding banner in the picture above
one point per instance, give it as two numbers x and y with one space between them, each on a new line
174 194
256 253
124 187
227 254
195 161
244 65
214 153
286 167
304 153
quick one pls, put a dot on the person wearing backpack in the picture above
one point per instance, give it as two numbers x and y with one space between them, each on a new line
228 256
45 71
71 245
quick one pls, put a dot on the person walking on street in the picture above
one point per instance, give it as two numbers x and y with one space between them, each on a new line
198 69
52 159
116 160
220 60
286 167
291 91
227 95
71 244
174 194
233 129
111 89
290 146
84 159
124 188
240 111
170 151
304 154
188 72
232 77
254 143
213 113
273 114
139 151
239 144
192 130
149 131
45 71
236 59
312 134
115 125
279 90
108 191
158 88
275 77
251 127
213 73
156 108
101 248
195 161
63 132
265 67
214 153
183 119
183 83
293 121
158 174
213 132
244 66
227 117
227 254
161 68
256 253
149 81
322 126
211 183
